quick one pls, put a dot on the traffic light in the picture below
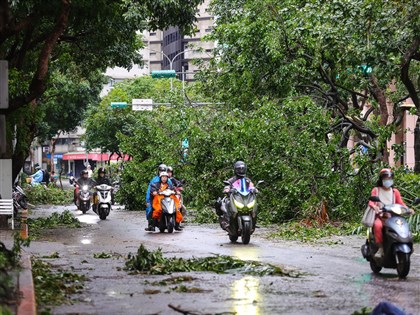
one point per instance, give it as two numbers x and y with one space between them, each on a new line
159 74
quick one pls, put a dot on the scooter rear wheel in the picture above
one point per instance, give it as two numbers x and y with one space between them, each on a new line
403 264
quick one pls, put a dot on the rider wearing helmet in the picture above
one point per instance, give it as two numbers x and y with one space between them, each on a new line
157 187
175 182
239 169
387 194
161 168
84 179
100 180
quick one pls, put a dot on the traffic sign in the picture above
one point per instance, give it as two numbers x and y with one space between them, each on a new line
118 104
142 104
157 74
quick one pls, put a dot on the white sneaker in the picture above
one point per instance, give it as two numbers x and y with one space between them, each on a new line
380 252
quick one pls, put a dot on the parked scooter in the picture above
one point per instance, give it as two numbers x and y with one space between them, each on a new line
168 218
397 241
240 207
102 206
19 199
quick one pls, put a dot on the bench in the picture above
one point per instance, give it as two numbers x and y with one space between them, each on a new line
6 208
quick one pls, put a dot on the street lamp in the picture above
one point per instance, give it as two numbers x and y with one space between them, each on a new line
171 61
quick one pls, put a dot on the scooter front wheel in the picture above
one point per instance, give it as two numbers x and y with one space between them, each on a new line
246 232
403 264
374 266
233 238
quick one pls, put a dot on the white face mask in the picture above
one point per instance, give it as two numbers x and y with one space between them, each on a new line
388 183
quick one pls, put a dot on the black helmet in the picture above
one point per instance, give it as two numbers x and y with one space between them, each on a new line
162 168
240 169
84 172
101 170
170 169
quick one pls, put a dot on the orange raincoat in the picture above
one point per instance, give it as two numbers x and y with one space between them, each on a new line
157 206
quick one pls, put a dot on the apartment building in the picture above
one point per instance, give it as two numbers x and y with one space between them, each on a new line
169 49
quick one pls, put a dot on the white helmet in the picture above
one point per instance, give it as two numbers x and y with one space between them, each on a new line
163 174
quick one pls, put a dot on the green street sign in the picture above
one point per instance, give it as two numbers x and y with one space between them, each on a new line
118 104
366 69
158 74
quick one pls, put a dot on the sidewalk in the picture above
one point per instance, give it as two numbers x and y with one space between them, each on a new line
26 304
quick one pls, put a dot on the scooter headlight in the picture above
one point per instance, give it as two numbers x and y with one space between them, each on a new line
85 187
251 204
238 204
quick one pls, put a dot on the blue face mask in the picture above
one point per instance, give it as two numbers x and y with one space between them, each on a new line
388 183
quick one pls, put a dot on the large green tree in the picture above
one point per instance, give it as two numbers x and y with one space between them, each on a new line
36 37
343 54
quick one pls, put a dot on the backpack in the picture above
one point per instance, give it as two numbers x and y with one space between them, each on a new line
45 176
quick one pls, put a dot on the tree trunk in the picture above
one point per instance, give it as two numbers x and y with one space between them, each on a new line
417 147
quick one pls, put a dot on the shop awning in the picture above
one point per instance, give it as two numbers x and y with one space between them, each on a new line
91 156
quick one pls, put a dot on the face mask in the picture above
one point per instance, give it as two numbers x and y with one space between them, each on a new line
388 183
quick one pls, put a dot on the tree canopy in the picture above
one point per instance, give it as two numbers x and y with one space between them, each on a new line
41 40
343 54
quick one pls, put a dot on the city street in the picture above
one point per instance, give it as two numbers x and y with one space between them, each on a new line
334 279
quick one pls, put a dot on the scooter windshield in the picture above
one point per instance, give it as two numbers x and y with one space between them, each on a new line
242 186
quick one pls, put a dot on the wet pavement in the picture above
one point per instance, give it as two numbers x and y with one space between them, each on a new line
335 279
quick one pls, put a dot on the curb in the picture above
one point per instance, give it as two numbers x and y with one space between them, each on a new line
27 305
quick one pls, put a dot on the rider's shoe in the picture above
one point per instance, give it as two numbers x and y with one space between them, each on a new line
380 252
150 228
177 227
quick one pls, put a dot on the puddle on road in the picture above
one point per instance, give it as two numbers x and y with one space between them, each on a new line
246 252
87 218
246 296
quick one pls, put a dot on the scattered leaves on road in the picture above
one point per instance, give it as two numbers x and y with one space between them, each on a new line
153 262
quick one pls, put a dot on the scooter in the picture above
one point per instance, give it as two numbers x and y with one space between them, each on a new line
182 207
168 218
240 207
83 197
397 241
102 206
19 199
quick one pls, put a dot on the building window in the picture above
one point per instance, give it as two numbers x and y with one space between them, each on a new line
152 33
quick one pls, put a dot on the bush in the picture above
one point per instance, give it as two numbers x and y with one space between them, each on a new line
41 194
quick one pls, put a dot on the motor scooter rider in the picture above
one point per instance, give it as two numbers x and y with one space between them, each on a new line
151 226
38 176
388 195
157 187
239 169
178 187
175 182
100 180
83 180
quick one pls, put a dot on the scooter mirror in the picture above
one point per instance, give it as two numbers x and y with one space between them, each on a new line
226 182
374 198
260 182
416 201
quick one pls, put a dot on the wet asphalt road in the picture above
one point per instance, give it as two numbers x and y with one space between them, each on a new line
335 279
